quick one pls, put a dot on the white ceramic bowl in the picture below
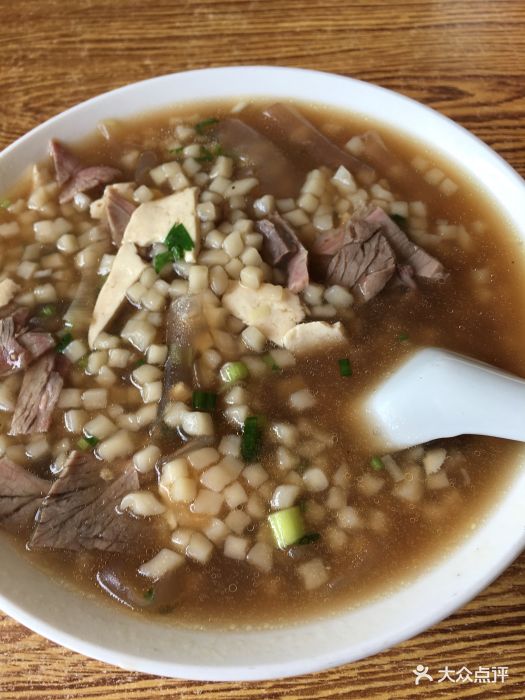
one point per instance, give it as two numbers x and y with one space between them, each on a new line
103 632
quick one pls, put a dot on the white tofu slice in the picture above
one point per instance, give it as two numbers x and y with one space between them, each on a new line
149 223
314 335
8 289
271 308
127 268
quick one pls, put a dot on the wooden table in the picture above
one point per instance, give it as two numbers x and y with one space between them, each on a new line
465 58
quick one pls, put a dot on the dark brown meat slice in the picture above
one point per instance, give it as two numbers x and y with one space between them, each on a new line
21 494
86 179
309 141
275 245
259 156
282 247
37 342
38 395
13 355
80 510
363 266
66 164
423 264
119 211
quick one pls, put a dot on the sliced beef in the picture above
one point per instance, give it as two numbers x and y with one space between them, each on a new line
118 212
87 179
283 248
80 510
423 264
21 494
73 177
259 156
18 346
308 141
13 355
66 164
38 396
363 265
37 343
365 253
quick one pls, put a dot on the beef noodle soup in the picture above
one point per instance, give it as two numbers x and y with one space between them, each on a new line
193 305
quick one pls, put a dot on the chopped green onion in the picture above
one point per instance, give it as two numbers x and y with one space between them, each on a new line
149 595
5 203
268 360
176 151
403 336
206 155
48 310
309 538
178 240
377 464
287 526
252 437
399 220
201 127
87 441
345 368
139 363
63 342
203 401
83 362
161 260
234 372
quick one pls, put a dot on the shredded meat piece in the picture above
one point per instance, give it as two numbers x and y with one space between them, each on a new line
80 510
38 396
13 355
21 494
118 212
283 247
365 253
73 177
309 141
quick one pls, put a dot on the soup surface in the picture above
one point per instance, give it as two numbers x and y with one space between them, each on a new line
193 305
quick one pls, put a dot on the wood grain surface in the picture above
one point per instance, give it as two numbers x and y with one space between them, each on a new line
465 59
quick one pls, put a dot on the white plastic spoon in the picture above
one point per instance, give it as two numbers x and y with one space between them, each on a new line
437 394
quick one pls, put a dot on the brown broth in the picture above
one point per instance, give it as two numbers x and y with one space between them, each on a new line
452 314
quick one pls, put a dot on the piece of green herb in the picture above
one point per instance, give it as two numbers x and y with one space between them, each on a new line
149 595
403 336
5 203
377 464
83 362
201 127
251 440
87 441
206 155
63 342
204 401
345 368
47 311
178 241
270 362
161 260
139 363
176 151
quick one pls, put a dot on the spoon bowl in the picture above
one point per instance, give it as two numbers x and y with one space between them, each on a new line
438 394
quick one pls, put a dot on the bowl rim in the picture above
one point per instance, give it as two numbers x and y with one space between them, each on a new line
31 147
